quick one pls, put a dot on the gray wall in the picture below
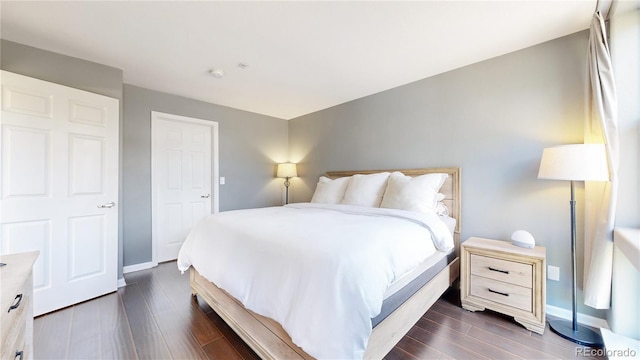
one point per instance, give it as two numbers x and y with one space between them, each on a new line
61 69
72 72
492 119
249 147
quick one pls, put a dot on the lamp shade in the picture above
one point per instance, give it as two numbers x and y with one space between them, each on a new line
286 170
580 162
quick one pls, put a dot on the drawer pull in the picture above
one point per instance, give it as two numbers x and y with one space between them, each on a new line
16 303
498 270
19 355
498 292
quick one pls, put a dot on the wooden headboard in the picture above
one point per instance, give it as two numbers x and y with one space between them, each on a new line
450 189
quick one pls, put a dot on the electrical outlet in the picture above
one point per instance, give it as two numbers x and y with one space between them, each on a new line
553 273
222 180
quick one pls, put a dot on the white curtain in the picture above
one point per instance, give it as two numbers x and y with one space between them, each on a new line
600 197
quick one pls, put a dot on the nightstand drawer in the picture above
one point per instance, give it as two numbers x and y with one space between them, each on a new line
502 270
512 295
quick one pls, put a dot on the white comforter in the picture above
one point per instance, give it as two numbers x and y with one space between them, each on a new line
319 270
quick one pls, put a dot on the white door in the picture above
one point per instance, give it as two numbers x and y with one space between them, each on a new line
183 167
59 185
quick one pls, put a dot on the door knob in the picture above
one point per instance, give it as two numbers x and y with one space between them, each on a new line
110 204
205 196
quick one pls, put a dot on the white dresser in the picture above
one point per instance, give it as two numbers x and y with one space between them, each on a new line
16 305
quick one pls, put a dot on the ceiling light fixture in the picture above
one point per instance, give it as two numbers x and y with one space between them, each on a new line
217 73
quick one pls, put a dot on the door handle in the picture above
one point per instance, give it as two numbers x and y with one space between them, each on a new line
205 196
110 204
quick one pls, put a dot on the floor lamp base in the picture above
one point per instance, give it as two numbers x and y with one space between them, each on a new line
582 335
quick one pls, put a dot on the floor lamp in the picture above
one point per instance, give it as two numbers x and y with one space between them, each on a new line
578 162
286 171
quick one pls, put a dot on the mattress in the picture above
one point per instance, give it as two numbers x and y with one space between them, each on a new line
408 284
408 277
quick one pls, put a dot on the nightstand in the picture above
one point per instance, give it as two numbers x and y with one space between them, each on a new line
505 278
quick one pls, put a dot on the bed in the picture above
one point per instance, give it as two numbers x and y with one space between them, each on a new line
269 339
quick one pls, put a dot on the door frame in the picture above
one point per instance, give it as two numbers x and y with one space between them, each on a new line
215 189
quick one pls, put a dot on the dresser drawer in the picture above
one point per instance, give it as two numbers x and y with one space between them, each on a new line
16 325
11 320
497 291
502 270
14 344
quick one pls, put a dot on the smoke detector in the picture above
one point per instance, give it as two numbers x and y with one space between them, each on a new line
217 73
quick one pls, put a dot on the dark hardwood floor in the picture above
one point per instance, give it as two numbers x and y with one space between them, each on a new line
155 317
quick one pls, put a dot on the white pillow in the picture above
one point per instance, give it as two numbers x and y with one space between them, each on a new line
366 190
441 208
330 191
418 193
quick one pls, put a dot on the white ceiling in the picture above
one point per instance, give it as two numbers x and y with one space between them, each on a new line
302 56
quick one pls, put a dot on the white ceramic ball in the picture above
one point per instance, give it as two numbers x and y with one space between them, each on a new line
523 239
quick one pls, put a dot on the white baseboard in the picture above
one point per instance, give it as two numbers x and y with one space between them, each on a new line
138 267
582 318
121 283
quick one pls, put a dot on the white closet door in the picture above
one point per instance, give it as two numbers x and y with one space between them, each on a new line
182 171
59 187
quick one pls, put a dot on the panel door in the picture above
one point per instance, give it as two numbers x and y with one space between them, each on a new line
181 180
59 186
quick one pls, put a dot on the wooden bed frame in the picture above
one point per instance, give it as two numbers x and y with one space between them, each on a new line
269 340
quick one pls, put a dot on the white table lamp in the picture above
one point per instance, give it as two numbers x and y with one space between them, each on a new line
287 171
